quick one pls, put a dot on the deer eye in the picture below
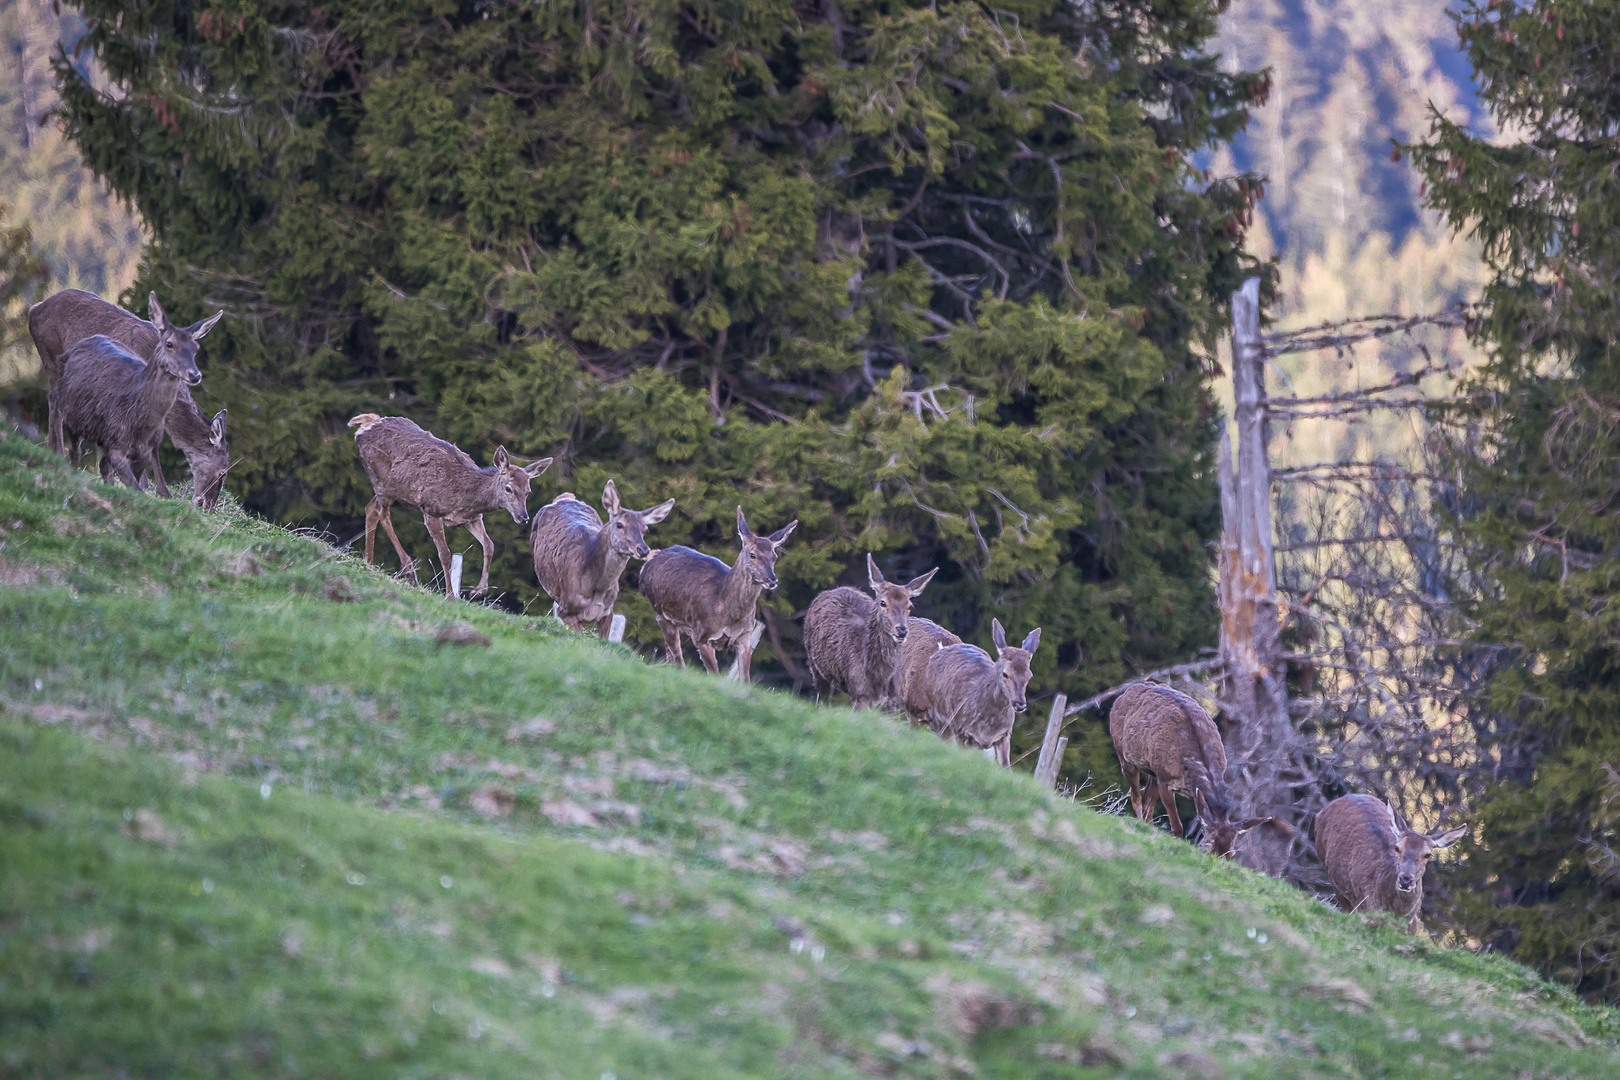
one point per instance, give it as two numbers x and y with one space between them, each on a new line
618 524
168 344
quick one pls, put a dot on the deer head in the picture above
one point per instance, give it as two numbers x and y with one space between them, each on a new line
512 483
759 553
1412 849
1209 799
627 529
1013 664
894 601
176 349
209 467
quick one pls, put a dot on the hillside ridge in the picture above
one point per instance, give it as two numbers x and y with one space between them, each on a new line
300 807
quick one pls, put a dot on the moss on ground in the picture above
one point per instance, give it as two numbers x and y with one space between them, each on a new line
266 811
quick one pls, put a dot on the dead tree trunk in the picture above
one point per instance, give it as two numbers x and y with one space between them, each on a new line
1260 736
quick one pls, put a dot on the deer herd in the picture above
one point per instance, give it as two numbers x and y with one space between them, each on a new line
120 382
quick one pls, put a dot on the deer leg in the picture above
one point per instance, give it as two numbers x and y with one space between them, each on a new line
406 564
1168 797
118 463
1133 780
373 515
672 643
706 654
156 472
54 438
476 527
435 528
745 656
1004 751
603 625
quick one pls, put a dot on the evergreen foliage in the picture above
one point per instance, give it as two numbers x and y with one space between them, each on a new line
1542 879
23 275
721 253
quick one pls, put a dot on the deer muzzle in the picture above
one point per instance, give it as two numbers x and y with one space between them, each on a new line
1405 882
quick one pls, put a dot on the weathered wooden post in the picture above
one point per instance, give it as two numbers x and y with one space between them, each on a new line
616 628
753 643
455 575
1261 738
1047 765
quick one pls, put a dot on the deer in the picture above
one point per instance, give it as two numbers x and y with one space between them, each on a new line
924 638
579 558
711 603
66 317
974 699
853 643
106 395
409 465
1374 858
1163 733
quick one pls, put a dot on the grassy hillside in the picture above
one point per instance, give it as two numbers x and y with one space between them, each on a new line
264 811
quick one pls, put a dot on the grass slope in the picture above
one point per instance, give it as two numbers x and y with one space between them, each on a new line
264 811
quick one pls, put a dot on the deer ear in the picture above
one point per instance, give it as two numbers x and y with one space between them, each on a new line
1254 823
998 636
1032 642
198 330
874 576
154 311
779 537
1448 837
657 513
1201 804
1395 818
502 459
743 530
918 584
535 468
216 429
610 498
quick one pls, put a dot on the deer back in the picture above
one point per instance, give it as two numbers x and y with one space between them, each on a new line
967 701
924 638
1157 729
1356 841
65 318
689 588
847 645
566 541
107 395
411 465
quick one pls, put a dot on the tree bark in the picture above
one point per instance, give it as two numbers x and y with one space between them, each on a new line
1260 736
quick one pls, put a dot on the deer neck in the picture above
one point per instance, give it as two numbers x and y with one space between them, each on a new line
156 390
879 642
739 591
480 497
992 695
602 563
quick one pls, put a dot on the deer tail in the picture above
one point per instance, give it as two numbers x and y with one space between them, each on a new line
364 423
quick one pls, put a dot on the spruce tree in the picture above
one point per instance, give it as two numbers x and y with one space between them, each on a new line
1541 503
722 253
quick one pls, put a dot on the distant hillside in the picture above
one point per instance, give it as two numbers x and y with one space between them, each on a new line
1347 222
88 238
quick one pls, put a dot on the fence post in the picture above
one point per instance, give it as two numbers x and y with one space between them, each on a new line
616 628
753 643
455 575
1046 766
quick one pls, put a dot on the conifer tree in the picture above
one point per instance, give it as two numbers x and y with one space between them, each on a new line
1541 503
724 253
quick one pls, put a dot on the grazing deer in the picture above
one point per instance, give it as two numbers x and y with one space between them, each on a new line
713 604
853 643
1374 859
1213 803
579 558
409 465
1168 736
62 319
974 699
924 638
106 395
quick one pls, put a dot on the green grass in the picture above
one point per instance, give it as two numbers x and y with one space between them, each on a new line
237 770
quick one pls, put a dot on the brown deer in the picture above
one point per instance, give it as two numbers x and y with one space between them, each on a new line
713 604
1168 736
974 699
409 465
106 395
924 638
853 642
62 319
579 558
1374 858
1213 804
